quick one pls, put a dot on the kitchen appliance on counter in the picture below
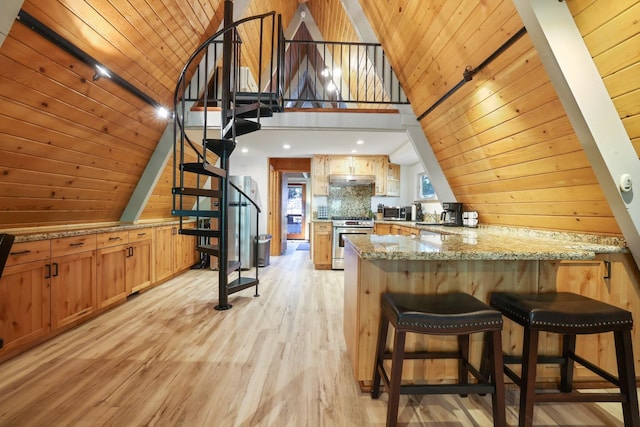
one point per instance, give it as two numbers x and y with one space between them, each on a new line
470 219
396 213
344 225
452 214
416 212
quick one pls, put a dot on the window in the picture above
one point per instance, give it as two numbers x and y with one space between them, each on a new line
425 189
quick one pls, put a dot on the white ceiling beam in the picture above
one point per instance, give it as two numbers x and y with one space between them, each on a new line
8 11
589 108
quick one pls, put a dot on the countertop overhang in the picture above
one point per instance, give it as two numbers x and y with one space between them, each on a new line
459 243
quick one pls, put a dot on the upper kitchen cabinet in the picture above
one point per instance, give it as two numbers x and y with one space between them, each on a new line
380 172
387 175
351 165
320 175
393 180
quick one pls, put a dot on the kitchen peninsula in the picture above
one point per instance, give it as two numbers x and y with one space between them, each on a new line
479 261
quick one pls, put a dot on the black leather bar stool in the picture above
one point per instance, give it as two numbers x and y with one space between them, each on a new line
568 314
439 314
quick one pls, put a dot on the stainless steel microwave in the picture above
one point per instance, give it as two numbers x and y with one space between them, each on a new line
396 213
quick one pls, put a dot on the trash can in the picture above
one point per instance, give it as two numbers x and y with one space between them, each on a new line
264 250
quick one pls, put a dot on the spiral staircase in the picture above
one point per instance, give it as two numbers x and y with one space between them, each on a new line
202 189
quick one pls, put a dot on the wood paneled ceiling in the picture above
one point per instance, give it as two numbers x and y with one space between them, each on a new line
72 149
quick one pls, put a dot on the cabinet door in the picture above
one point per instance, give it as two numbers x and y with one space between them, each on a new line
73 288
163 252
380 172
393 180
139 262
322 244
340 165
24 304
111 275
320 176
362 165
186 254
383 229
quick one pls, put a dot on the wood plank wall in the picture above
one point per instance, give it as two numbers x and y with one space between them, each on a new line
72 149
611 32
503 140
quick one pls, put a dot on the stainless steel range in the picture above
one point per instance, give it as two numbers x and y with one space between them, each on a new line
346 225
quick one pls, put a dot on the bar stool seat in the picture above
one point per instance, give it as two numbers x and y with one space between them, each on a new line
568 314
458 314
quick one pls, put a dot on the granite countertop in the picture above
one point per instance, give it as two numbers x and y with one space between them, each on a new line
32 235
485 243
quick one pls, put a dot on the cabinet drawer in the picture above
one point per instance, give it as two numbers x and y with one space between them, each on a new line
29 251
72 245
140 234
322 227
104 240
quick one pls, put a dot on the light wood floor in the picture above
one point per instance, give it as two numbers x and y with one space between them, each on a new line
167 358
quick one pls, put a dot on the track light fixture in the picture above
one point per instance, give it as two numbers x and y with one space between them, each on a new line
468 73
101 72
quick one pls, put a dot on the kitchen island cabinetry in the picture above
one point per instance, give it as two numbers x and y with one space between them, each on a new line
25 295
322 241
478 263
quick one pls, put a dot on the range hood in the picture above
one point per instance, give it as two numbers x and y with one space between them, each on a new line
345 179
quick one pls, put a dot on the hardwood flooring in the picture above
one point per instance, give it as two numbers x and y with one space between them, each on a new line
168 358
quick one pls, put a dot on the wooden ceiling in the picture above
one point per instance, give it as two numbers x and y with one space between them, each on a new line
72 149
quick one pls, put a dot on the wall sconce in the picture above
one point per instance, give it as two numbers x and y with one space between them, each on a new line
101 72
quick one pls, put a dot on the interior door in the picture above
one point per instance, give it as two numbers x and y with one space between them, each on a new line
284 197
296 212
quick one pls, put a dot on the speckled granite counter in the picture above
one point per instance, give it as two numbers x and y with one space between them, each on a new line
35 234
458 243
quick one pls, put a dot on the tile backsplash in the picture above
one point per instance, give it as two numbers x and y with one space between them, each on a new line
350 200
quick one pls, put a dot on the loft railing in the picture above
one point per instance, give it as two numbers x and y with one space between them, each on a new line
310 74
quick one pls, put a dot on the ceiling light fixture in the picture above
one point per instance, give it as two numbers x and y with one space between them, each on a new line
101 72
245 150
331 87
162 112
325 73
286 146
359 142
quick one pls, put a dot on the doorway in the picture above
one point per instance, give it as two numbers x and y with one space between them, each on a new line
296 212
280 170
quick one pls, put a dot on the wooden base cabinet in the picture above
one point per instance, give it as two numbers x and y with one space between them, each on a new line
111 263
73 279
139 261
322 245
173 252
25 296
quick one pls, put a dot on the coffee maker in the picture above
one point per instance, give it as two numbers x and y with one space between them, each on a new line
452 214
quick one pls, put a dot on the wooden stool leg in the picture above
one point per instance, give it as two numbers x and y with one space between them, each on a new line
397 358
566 370
528 377
627 377
494 341
383 330
463 371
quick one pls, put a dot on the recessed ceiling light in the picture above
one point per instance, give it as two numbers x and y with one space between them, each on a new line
286 146
359 142
354 151
245 150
